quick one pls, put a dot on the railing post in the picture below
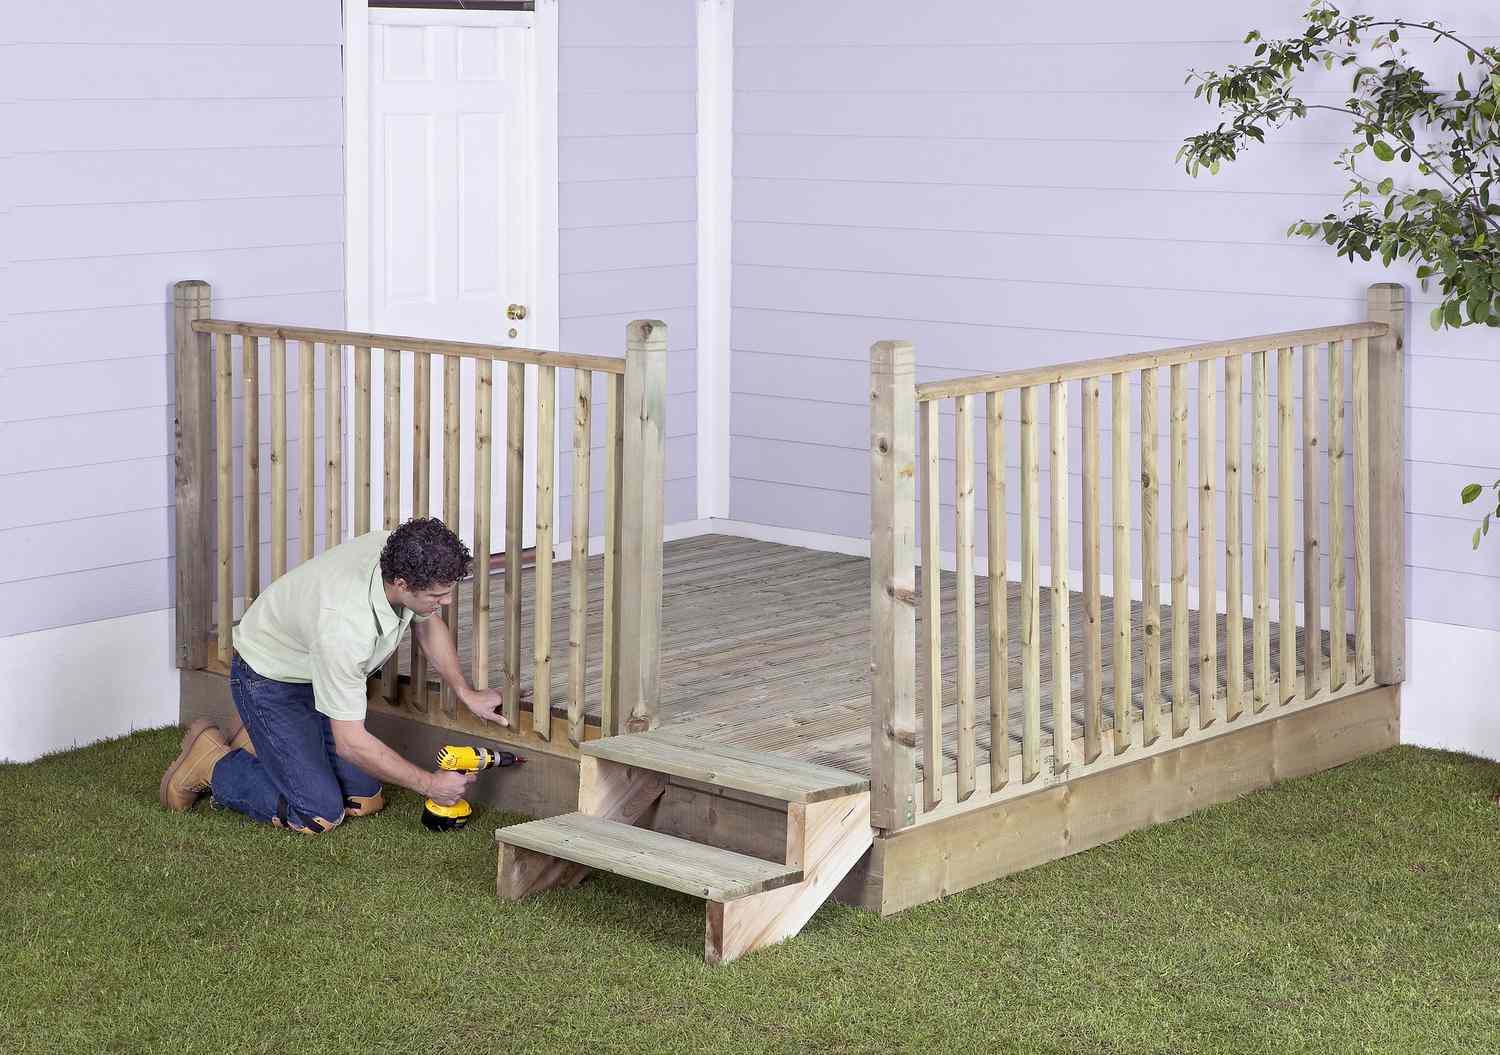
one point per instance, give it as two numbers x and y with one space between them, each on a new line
193 425
641 522
893 602
1387 303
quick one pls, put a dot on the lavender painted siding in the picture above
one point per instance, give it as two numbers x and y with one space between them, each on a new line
1003 194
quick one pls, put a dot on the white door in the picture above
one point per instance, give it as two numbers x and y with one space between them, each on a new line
451 177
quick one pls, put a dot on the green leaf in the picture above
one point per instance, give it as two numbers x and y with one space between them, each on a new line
1382 151
1436 318
1385 185
1476 539
1451 314
1471 492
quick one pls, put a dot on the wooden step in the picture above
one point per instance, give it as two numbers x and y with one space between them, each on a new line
723 766
651 857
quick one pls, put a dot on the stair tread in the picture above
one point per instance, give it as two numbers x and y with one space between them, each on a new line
722 765
649 856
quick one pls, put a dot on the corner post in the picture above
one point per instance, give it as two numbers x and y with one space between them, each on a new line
641 522
893 585
193 424
1387 303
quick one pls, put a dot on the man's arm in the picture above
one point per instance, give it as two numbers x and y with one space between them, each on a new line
437 645
354 743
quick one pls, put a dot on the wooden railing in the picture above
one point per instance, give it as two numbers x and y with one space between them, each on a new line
911 703
633 484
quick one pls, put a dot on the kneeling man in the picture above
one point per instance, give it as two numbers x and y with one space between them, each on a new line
301 757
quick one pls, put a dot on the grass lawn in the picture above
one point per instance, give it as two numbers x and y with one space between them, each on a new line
1353 911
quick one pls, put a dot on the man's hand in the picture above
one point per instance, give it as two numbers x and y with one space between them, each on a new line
486 704
447 787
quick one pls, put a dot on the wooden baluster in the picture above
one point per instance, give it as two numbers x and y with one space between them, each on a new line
1286 538
1120 655
278 458
452 409
421 492
1150 564
1093 643
1181 702
1338 647
361 441
1312 502
1234 577
515 467
1062 651
994 414
963 524
1364 662
224 453
1031 589
1208 543
333 444
578 562
484 436
307 491
390 434
251 486
610 721
1260 528
546 459
932 606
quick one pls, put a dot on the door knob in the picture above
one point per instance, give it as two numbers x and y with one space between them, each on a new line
516 312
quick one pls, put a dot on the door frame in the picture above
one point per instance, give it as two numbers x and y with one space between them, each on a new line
544 300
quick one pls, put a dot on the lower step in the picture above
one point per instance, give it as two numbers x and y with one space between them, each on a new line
651 857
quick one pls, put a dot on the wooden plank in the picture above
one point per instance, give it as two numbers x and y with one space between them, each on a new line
1260 529
421 487
333 447
1234 553
964 588
193 368
578 561
1170 357
390 491
1031 589
614 455
725 766
224 449
1062 638
1093 644
278 458
307 494
423 345
546 462
452 415
650 857
1121 652
1181 703
484 483
1150 563
1312 504
1285 514
932 608
515 467
1386 304
1338 649
361 441
641 519
1364 662
1208 542
250 485
999 635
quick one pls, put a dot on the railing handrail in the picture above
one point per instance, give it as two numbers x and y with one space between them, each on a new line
396 343
1083 369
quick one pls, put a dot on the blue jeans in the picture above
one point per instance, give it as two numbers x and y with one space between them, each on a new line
295 778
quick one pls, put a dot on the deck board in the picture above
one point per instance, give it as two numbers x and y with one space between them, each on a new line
767 647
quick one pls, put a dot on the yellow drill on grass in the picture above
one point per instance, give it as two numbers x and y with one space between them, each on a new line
462 759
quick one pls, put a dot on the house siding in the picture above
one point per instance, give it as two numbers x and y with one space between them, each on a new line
999 189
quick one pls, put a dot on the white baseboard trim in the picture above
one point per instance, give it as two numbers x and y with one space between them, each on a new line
73 685
1448 699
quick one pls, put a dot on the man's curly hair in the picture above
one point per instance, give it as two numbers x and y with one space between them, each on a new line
426 553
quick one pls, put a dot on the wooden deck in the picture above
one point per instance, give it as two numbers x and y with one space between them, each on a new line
767 647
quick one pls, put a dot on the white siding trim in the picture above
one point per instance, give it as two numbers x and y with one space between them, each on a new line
715 266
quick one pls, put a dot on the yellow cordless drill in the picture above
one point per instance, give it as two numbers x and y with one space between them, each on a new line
452 818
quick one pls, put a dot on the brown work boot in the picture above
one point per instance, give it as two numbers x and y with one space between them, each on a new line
191 772
238 738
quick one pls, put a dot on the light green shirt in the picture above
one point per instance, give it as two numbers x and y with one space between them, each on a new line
327 623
